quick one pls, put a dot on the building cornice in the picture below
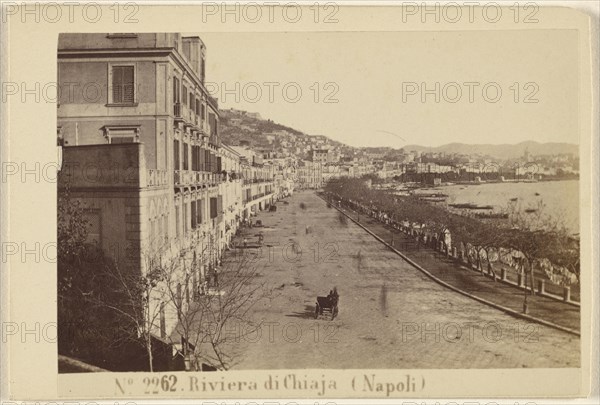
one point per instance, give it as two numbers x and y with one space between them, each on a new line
102 53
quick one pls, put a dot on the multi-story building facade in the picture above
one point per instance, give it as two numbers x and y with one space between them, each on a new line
310 174
142 153
320 155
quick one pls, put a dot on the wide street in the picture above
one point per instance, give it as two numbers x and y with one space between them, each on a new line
391 315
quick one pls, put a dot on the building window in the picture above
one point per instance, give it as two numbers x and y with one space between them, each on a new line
185 157
176 90
185 219
206 160
192 101
212 120
199 209
194 214
122 81
122 134
213 207
176 154
202 68
184 92
194 158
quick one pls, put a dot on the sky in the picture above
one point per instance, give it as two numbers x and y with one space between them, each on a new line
380 88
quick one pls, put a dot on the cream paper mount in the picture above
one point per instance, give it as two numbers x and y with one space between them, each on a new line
325 201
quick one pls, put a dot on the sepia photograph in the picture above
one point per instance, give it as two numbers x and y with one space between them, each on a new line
209 223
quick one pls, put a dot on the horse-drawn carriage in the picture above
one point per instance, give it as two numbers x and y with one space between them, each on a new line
328 305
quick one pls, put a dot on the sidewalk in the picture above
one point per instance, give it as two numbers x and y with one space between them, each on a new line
471 281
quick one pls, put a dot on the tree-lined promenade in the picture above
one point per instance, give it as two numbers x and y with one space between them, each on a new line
391 315
529 242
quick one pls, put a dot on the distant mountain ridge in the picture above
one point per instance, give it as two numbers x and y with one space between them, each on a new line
502 151
238 126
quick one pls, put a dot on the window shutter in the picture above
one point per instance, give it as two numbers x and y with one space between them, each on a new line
194 217
176 154
117 84
206 160
123 84
199 208
128 84
185 157
213 207
175 90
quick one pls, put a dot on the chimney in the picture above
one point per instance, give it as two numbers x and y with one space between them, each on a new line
195 55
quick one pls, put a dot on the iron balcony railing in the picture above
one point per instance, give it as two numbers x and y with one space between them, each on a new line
156 178
197 178
177 110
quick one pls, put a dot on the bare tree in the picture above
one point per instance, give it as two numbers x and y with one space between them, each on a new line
530 231
205 315
536 235
137 299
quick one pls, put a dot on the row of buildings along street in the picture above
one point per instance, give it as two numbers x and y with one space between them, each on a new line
146 164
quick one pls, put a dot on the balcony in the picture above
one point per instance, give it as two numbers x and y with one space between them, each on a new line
188 117
255 181
195 178
205 128
183 114
177 112
256 197
156 178
184 178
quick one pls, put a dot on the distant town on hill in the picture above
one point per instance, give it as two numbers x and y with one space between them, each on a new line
250 129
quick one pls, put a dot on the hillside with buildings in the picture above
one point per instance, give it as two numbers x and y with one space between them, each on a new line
274 140
324 158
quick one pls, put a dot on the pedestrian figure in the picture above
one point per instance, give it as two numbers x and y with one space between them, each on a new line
216 278
245 242
260 238
383 300
491 270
